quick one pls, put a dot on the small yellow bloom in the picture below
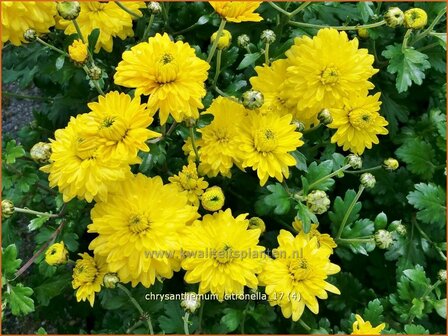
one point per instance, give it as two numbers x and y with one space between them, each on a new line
224 40
323 239
257 223
188 180
213 199
237 11
78 51
361 327
363 33
415 18
391 164
56 254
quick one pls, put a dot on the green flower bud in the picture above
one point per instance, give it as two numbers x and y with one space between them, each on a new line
257 223
368 180
363 33
243 41
30 35
300 126
325 117
68 10
318 202
397 226
95 73
154 7
268 36
253 99
110 280
191 302
394 17
381 221
390 164
7 208
383 239
354 161
442 275
41 152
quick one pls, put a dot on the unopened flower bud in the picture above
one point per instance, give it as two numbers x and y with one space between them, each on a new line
7 208
363 33
154 7
95 73
300 126
442 275
41 152
415 18
368 180
68 10
56 254
78 52
179 38
318 202
253 99
110 280
354 161
190 122
394 17
30 35
383 239
243 41
380 221
390 164
325 117
213 199
191 302
268 36
224 40
257 223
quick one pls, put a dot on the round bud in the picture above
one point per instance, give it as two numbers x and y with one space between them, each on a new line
380 221
56 254
68 10
415 18
325 117
383 239
191 302
154 7
300 126
268 36
257 223
243 41
363 33
354 161
253 99
190 122
442 275
7 208
30 35
390 164
368 180
213 199
78 52
318 202
41 152
95 73
394 17
224 40
110 280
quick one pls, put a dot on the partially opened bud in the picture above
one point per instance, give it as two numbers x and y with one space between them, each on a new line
368 180
41 152
7 208
30 35
383 239
253 99
394 17
325 117
68 10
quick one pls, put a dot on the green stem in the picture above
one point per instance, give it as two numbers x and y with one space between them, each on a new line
349 211
354 240
148 27
429 46
139 308
37 213
248 50
127 10
218 67
309 130
299 9
428 30
406 39
310 25
266 54
215 43
364 170
428 290
186 331
185 30
277 7
201 313
220 92
21 96
78 30
328 176
193 143
304 325
38 39
424 235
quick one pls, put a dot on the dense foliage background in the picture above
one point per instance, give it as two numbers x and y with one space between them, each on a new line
398 285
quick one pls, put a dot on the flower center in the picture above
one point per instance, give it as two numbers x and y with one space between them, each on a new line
329 75
360 118
299 269
85 271
166 69
265 140
112 128
86 148
139 223
224 255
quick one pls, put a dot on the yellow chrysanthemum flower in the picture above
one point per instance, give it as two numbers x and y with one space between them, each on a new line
297 276
138 227
121 123
222 254
169 72
326 69
111 20
56 254
213 199
415 18
78 51
265 143
18 16
361 327
270 81
358 123
75 166
323 239
218 146
88 277
224 40
189 181
237 11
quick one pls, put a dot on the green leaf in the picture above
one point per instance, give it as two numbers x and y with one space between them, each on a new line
393 111
315 175
409 65
305 216
440 307
431 201
93 38
418 155
232 318
10 263
374 312
441 38
413 329
52 288
278 199
37 222
340 207
18 298
13 152
359 229
41 331
248 60
60 62
365 10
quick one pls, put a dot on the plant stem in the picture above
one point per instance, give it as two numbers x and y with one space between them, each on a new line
37 213
304 325
354 240
218 67
186 317
277 7
127 10
201 313
215 43
349 211
148 28
405 39
299 9
222 93
139 308
431 26
38 39
193 143
363 170
424 235
310 25
21 96
328 176
78 30
429 46
266 54
309 130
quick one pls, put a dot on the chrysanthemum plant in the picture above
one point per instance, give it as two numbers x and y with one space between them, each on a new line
225 167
